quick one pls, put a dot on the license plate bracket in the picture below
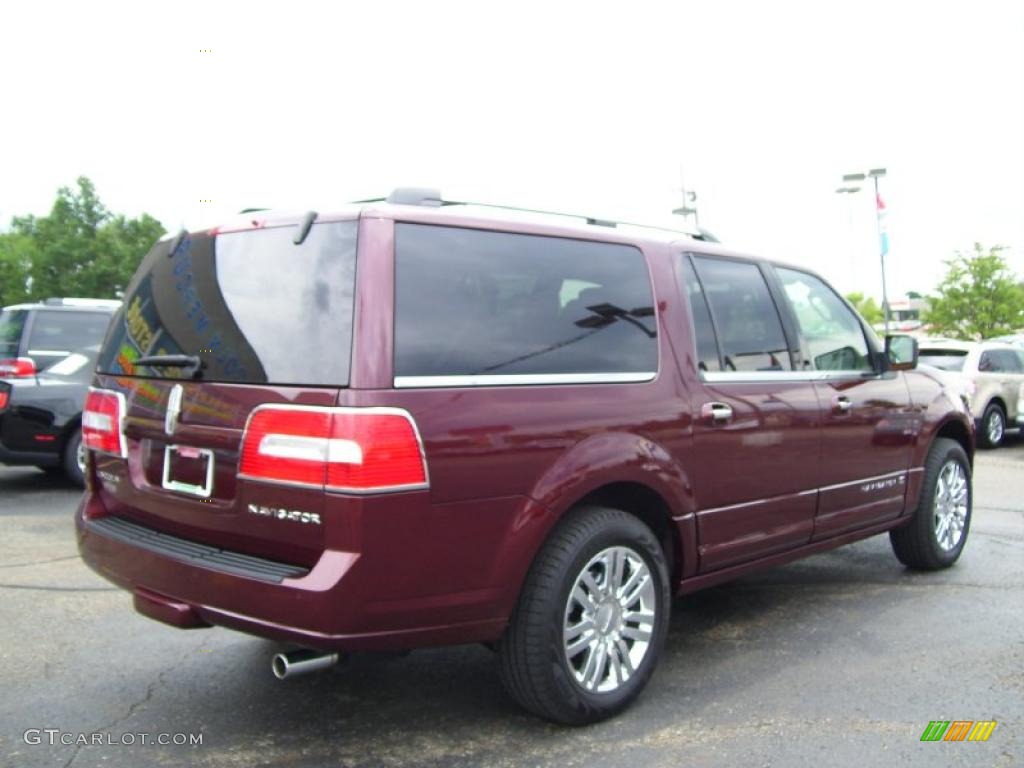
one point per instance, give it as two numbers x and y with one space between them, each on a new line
203 491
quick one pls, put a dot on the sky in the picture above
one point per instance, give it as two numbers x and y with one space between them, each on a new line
596 108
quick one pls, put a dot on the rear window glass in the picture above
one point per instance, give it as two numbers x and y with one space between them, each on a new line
63 331
470 302
252 305
12 322
77 366
946 359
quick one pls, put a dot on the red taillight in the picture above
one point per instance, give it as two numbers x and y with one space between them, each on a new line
356 450
17 367
101 422
4 397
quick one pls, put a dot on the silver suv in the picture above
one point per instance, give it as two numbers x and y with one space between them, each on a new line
992 376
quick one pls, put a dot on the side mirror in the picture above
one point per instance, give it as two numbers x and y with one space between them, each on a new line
901 352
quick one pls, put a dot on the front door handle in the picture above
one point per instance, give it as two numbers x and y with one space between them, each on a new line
841 404
719 413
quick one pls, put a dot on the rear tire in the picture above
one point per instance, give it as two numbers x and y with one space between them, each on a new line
587 631
73 458
937 532
993 427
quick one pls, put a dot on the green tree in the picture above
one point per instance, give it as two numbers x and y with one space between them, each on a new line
867 307
978 298
81 248
16 254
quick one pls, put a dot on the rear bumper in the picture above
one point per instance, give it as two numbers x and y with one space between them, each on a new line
28 458
326 607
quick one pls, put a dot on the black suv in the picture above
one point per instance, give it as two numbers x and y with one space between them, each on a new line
35 336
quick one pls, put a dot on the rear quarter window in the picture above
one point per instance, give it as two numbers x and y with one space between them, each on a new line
478 303
12 323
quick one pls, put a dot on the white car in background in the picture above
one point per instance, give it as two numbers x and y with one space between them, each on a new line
1013 339
992 377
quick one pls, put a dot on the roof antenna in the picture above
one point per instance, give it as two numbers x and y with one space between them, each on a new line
176 242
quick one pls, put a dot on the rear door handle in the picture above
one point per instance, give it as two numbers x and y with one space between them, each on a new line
719 413
841 404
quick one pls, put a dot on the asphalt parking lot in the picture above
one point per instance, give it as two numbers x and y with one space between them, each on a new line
840 659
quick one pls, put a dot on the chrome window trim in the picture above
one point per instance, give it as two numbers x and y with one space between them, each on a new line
726 377
522 379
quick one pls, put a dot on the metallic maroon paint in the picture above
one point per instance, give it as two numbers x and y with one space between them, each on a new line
445 565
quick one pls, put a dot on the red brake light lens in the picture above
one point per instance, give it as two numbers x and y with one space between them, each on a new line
101 422
4 397
17 367
355 450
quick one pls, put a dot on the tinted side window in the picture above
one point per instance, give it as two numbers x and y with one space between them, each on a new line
833 335
700 317
472 302
12 322
1012 361
989 363
749 329
1007 360
59 331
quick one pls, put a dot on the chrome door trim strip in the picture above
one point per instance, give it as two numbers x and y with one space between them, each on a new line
807 493
758 501
863 480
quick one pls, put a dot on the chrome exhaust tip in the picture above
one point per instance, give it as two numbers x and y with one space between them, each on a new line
292 663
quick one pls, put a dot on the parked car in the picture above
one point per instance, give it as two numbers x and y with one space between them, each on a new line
514 428
993 378
1013 339
41 416
35 336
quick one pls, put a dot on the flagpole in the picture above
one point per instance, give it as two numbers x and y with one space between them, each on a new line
883 242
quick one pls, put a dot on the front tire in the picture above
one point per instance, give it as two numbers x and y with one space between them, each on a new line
993 427
937 532
587 631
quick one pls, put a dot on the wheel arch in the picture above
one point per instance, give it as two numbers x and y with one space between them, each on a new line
954 429
995 400
628 472
647 505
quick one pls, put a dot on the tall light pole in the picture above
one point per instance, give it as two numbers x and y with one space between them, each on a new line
883 238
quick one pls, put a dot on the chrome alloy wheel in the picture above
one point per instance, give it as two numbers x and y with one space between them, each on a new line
950 505
994 427
609 619
80 456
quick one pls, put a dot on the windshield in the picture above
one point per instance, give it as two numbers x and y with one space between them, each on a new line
12 321
253 306
946 359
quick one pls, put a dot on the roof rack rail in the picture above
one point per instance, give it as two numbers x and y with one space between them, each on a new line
429 196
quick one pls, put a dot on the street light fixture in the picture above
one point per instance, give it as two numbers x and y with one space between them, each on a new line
883 243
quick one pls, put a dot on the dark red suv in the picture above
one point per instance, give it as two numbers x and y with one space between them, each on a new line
415 423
